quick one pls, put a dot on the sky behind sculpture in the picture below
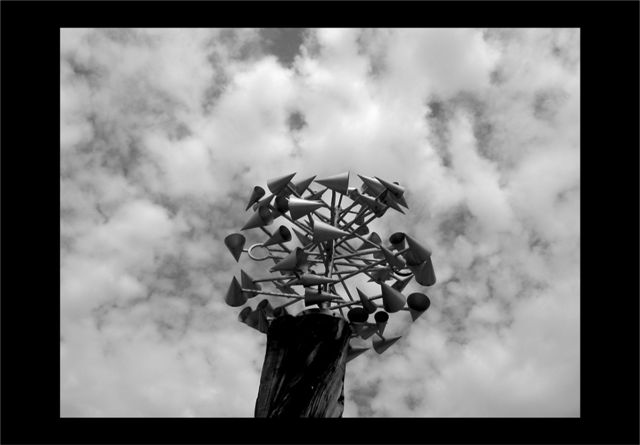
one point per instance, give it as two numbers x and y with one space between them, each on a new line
164 132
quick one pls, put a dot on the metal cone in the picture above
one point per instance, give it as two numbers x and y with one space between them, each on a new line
382 345
312 296
424 273
316 195
235 243
309 279
374 238
373 186
354 352
338 183
396 189
235 297
381 321
282 235
401 284
257 193
392 299
248 283
397 241
301 186
277 185
357 315
418 303
293 261
299 207
325 232
367 304
394 261
418 251
262 217
302 237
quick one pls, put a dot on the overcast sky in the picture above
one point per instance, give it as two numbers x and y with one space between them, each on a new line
165 131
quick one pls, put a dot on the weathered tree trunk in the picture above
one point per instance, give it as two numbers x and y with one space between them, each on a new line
304 366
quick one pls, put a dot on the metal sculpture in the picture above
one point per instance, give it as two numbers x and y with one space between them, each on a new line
328 256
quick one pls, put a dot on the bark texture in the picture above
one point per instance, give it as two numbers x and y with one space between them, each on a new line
304 366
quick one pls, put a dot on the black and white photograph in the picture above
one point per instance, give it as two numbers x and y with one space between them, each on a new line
420 186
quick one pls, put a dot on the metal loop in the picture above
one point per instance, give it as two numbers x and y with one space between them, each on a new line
254 257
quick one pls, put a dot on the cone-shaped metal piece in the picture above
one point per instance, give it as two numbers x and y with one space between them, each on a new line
424 273
235 297
382 345
264 202
312 296
359 219
235 243
265 306
263 322
280 311
302 237
392 202
354 352
397 241
277 185
310 279
418 252
374 238
326 232
357 315
299 207
372 187
392 299
396 189
281 204
381 321
257 193
302 185
402 202
282 235
292 261
401 284
377 207
362 230
338 183
244 313
262 217
418 303
392 260
251 318
248 283
367 304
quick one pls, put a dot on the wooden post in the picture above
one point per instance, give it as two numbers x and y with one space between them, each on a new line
304 366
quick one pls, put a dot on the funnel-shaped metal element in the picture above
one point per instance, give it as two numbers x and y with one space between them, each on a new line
293 261
266 307
397 241
262 217
257 319
374 238
372 186
282 235
250 318
235 297
235 244
394 188
417 252
377 207
367 304
281 204
299 207
302 237
326 232
402 202
312 296
280 311
244 313
277 185
418 303
401 284
380 275
357 315
362 230
424 273
257 193
382 345
381 321
353 352
392 260
392 202
392 299
359 219
302 185
338 183
248 283
310 279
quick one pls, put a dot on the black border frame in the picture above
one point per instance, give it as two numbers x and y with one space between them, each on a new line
609 214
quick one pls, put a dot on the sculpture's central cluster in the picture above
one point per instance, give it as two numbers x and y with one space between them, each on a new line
335 246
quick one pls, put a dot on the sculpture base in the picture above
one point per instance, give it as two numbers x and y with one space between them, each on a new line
304 366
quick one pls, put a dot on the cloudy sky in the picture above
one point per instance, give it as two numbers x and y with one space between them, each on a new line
163 132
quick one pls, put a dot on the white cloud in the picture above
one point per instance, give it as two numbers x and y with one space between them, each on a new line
164 132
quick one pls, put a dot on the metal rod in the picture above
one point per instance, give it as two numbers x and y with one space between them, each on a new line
351 303
373 265
275 294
